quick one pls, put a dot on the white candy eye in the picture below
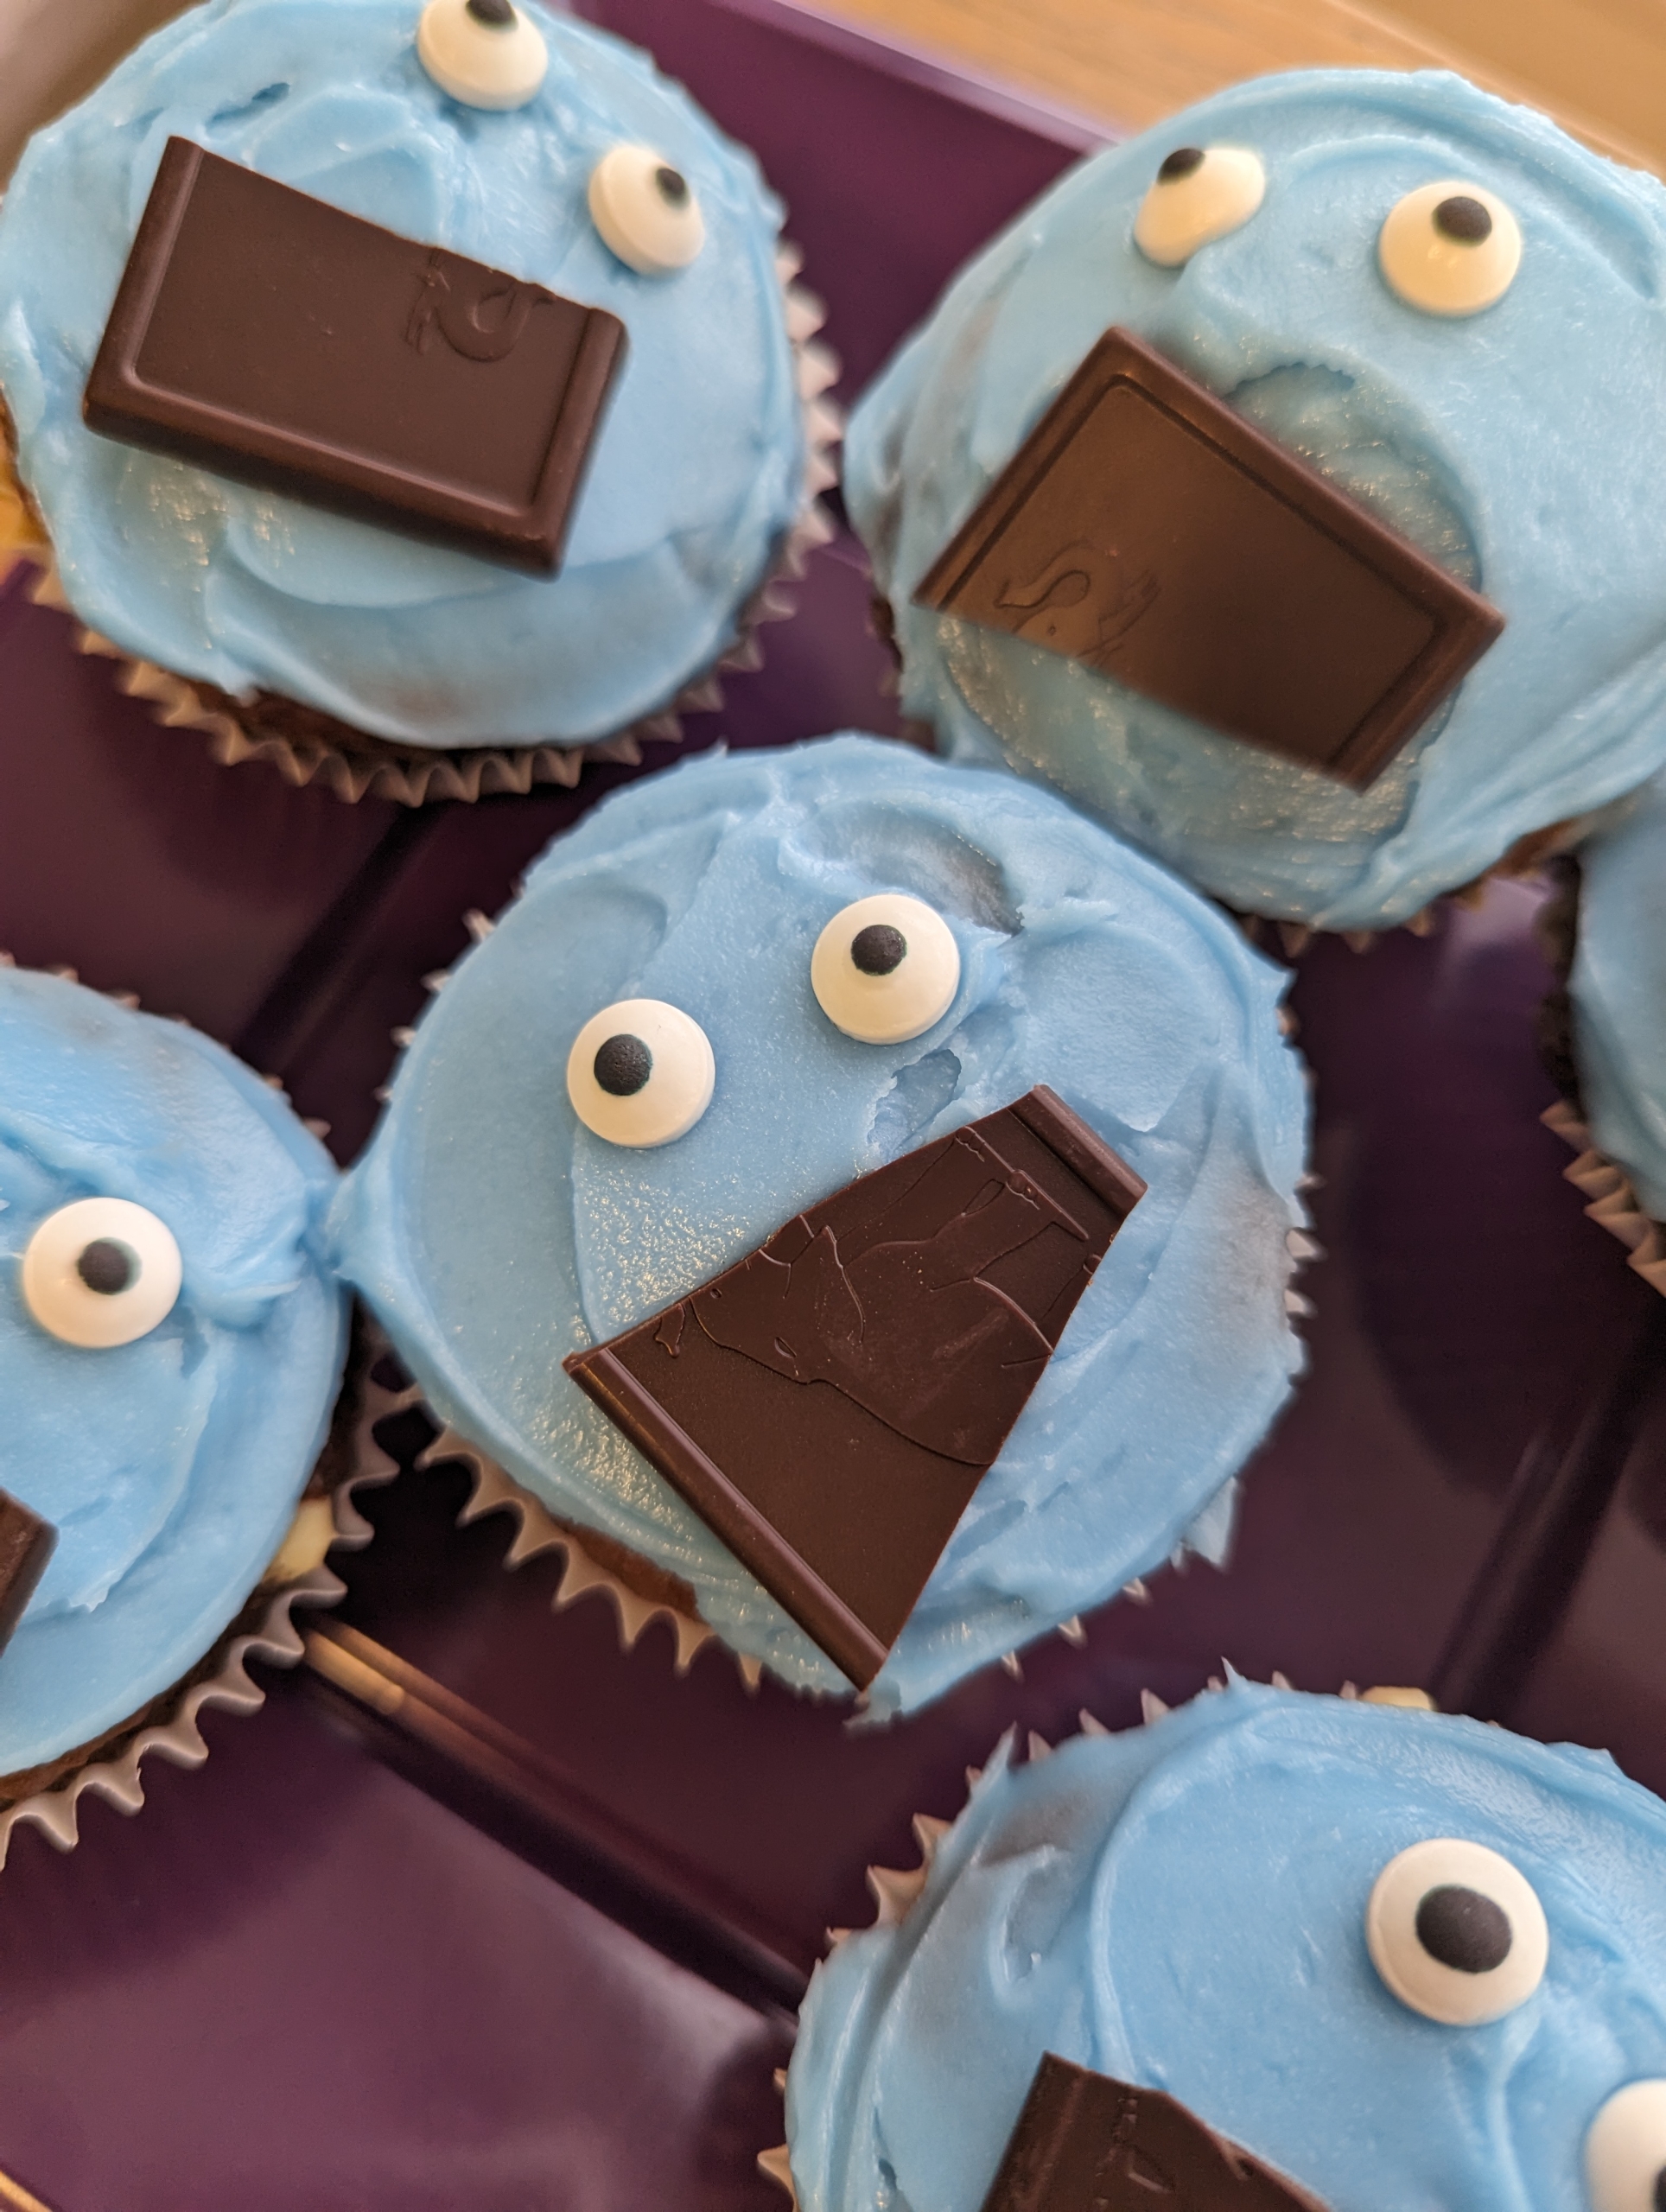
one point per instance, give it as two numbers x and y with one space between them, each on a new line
101 1273
640 1072
1456 1932
885 968
1626 2150
1201 194
484 52
1450 249
645 211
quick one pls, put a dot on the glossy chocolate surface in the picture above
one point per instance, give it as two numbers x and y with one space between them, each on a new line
280 341
1085 2141
26 1544
830 1404
1145 530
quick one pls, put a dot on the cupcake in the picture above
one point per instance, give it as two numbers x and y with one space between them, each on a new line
1608 1025
1273 1950
507 423
171 1344
1282 486
907 1173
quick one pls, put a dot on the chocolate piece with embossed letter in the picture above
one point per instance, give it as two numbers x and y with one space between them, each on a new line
830 1404
274 338
1086 2143
1145 530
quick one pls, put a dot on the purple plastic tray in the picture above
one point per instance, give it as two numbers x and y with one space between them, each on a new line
333 1970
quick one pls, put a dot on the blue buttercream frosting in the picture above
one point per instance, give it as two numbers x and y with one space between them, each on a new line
1183 1907
493 1233
1523 448
695 475
170 1466
1618 987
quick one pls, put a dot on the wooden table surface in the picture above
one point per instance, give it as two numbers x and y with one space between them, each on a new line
1599 65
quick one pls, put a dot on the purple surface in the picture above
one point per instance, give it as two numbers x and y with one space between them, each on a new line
296 1978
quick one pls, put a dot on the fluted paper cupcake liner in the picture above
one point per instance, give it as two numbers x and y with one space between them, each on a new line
1613 1205
326 1520
355 765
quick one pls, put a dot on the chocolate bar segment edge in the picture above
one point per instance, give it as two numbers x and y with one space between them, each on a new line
27 1544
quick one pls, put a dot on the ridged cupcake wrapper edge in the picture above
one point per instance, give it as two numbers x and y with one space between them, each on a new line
1613 1203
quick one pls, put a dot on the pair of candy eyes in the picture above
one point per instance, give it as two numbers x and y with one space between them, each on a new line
884 969
1458 1933
1449 249
488 54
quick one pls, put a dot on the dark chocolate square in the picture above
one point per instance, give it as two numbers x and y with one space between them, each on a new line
830 1404
1147 530
27 1542
278 340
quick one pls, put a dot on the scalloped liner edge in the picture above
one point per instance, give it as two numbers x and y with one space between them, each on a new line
229 1688
893 1890
473 774
1614 1205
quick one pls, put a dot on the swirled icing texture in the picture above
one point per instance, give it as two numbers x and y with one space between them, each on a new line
493 1233
695 475
1618 987
1524 448
170 1466
1183 1907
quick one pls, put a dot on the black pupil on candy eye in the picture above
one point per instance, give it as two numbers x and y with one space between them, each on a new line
1179 163
106 1266
878 950
673 186
496 15
1463 1930
622 1065
1463 218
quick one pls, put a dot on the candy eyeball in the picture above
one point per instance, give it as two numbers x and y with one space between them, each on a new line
485 52
885 968
100 1273
645 211
1456 1932
1626 2150
1199 194
1450 249
640 1072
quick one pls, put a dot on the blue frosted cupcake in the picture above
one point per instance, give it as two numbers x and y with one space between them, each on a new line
531 143
171 1344
668 1049
1387 1958
1402 331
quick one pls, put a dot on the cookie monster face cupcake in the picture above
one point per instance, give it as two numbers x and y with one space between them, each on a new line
498 452
1285 1952
1283 487
1611 1025
907 1174
171 1341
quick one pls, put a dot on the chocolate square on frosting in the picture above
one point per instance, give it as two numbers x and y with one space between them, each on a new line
1086 2143
274 338
1145 530
830 1404
27 1542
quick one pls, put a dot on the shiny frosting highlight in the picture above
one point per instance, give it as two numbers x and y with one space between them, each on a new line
695 477
170 1465
1618 987
1183 1907
1524 448
493 1233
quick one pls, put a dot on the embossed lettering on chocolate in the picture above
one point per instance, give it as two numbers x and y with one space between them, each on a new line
1144 529
278 340
1083 2140
830 1404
